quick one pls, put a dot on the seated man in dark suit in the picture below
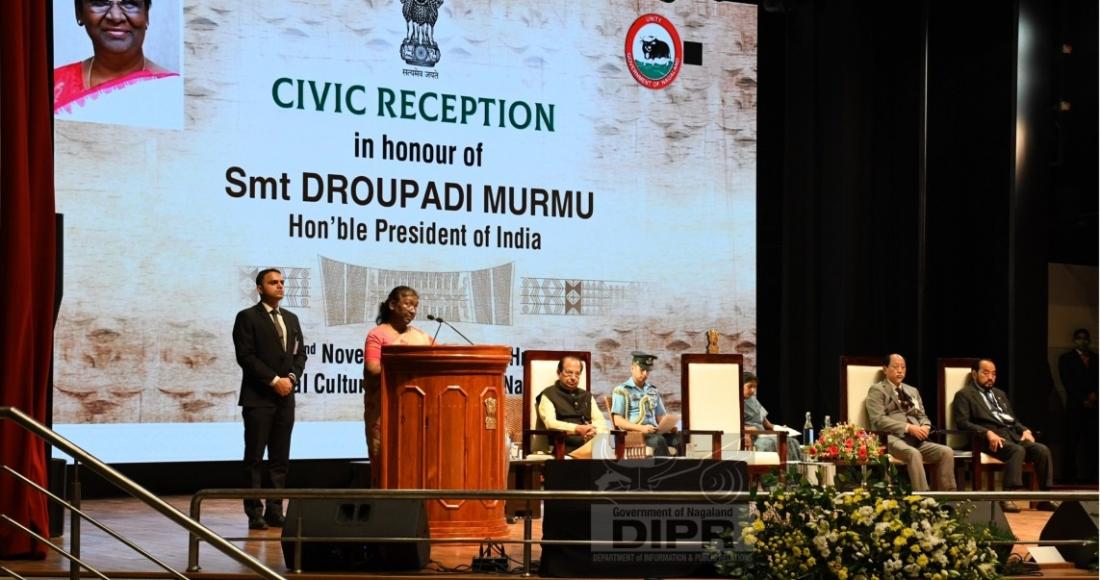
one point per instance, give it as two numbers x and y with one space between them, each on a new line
981 408
564 406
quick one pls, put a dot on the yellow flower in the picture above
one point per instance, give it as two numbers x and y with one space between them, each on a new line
758 525
922 560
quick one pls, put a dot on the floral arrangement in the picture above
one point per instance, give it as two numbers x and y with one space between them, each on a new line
848 444
874 532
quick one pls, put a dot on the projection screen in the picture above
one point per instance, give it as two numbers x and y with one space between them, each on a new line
548 175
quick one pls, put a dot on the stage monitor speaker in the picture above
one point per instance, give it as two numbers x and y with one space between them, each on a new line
58 484
988 514
985 513
1073 520
365 519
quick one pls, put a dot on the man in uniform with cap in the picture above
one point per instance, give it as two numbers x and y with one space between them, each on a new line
637 406
564 406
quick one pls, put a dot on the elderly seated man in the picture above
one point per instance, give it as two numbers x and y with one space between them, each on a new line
984 409
896 408
756 419
564 406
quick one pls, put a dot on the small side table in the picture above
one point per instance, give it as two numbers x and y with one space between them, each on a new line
816 472
524 474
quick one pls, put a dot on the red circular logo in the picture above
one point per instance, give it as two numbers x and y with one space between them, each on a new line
653 51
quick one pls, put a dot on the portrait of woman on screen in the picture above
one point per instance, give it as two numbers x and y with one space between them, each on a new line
118 83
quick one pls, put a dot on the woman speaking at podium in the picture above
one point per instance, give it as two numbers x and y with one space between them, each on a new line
394 326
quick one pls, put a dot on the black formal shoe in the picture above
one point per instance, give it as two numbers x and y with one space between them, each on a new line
274 519
1009 506
1046 506
256 523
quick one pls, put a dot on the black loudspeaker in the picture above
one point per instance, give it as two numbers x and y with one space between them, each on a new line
985 513
365 519
58 484
1073 520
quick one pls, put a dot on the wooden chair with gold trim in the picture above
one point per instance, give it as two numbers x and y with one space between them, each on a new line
713 413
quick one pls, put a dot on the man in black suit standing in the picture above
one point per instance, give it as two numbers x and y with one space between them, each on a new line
981 408
1078 370
270 349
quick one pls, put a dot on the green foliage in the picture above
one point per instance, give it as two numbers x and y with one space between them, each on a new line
875 531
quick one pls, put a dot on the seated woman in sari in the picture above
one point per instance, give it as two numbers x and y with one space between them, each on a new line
756 419
117 84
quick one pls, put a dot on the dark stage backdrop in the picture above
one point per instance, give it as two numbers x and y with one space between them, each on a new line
861 250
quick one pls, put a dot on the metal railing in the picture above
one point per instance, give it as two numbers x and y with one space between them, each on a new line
199 533
297 538
120 481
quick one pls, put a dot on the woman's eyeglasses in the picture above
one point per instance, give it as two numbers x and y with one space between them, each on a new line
129 7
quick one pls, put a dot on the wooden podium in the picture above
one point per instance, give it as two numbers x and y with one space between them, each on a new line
443 428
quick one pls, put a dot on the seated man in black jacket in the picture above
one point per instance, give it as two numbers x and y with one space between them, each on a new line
564 406
981 408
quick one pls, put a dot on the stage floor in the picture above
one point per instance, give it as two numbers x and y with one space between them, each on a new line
166 541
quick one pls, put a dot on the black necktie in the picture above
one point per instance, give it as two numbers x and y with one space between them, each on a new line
993 401
998 411
278 328
904 399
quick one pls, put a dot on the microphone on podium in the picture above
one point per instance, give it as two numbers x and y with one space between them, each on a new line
441 323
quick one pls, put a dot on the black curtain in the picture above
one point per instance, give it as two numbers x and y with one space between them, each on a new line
889 226
837 194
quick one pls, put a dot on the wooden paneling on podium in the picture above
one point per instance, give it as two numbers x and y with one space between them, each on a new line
443 428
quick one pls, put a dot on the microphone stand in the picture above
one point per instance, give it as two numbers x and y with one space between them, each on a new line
437 329
449 325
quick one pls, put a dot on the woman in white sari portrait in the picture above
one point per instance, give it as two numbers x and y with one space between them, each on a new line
118 83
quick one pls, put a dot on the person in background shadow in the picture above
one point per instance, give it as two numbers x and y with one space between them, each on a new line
756 419
270 350
984 409
1078 370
